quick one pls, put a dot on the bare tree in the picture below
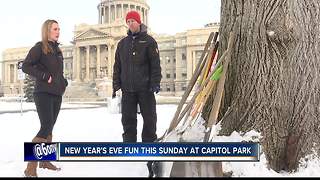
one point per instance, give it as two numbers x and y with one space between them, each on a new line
273 82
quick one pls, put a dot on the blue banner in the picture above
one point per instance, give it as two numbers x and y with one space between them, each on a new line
180 151
169 151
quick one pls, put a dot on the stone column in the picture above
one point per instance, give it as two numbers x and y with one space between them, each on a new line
146 14
6 75
115 11
194 62
189 64
3 73
88 63
122 12
15 72
100 14
109 14
72 71
98 61
109 60
113 56
126 11
74 63
143 15
105 18
78 64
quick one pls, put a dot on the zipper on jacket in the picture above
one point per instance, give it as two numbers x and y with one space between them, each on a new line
132 64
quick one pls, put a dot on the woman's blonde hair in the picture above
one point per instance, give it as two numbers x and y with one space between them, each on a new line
46 27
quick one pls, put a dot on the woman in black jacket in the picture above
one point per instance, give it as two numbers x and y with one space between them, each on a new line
45 62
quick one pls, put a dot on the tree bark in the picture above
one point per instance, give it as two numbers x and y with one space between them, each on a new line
273 82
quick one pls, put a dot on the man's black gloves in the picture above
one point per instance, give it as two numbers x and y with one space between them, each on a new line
155 89
114 94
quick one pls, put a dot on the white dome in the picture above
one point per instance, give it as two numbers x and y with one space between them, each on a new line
113 12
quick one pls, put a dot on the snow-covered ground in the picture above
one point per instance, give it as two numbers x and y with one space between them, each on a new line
14 104
99 125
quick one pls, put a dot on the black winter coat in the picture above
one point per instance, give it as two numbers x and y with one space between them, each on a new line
137 63
42 66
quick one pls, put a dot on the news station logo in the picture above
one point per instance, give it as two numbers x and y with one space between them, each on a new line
40 151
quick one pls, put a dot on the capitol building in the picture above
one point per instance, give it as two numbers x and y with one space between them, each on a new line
88 62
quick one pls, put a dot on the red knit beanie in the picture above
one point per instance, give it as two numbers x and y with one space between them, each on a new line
133 15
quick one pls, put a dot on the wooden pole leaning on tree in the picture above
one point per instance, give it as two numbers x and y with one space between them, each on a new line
205 169
208 169
208 63
191 102
177 120
220 89
198 69
207 69
202 96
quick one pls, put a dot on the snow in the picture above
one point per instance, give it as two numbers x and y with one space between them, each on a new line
95 123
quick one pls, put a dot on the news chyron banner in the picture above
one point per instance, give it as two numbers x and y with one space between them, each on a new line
181 151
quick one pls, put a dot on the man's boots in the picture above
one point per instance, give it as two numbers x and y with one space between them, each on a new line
150 170
47 164
31 170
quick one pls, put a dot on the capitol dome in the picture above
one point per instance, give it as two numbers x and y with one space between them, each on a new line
114 11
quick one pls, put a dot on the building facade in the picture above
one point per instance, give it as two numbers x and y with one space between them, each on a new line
89 61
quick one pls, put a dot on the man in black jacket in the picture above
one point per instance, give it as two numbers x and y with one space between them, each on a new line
137 73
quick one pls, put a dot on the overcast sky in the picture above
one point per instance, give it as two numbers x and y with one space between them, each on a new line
21 20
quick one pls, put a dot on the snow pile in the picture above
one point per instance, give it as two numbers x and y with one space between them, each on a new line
195 132
99 125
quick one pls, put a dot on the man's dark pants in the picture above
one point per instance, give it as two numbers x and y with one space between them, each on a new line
147 103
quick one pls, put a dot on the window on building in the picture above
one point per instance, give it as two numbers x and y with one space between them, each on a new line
168 59
175 75
174 60
168 76
168 89
184 75
184 57
183 88
198 55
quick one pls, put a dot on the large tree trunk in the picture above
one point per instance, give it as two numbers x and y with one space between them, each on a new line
273 81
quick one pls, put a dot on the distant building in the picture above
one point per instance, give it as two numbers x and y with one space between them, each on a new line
89 61
1 90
